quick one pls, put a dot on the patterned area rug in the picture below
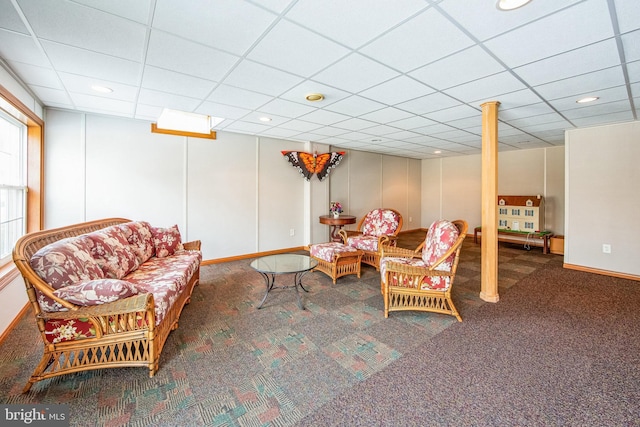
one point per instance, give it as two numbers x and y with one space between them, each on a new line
230 364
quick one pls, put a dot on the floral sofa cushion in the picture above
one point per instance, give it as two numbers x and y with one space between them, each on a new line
112 252
138 234
380 222
166 240
56 331
326 251
165 278
66 261
62 263
94 292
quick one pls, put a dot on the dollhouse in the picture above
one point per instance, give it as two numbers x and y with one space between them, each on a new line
521 213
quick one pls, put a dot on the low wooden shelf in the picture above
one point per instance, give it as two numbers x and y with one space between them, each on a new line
540 238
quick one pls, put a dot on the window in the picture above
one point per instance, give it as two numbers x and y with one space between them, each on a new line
503 211
21 197
502 223
515 211
528 212
13 184
528 225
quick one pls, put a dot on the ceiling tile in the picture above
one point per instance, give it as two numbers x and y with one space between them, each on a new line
633 70
296 50
412 122
386 115
606 95
101 104
187 57
355 106
21 48
55 96
79 61
530 110
347 73
10 20
101 32
81 84
225 94
584 83
255 117
324 117
397 90
424 39
336 18
220 110
494 85
177 83
482 19
631 43
354 124
38 76
286 108
426 104
583 60
134 10
464 66
628 13
597 108
260 78
299 92
230 26
513 99
623 116
537 40
168 100
454 113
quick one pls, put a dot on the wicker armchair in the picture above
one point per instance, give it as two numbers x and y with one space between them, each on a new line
422 279
378 227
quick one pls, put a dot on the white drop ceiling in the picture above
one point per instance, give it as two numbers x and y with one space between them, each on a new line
400 77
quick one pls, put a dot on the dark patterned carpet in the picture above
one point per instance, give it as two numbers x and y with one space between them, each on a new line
560 348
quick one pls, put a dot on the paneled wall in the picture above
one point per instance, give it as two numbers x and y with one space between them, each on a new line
451 187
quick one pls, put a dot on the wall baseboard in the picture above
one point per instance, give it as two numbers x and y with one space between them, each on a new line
15 322
601 272
249 256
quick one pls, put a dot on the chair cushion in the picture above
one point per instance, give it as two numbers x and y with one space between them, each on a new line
380 222
326 251
440 238
364 243
432 283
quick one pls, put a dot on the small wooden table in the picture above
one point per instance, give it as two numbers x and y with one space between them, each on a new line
336 224
540 238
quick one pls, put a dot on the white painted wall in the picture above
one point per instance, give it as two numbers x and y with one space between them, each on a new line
365 181
451 187
603 197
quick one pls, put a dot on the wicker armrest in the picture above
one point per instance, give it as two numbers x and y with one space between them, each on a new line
192 246
394 251
411 270
134 304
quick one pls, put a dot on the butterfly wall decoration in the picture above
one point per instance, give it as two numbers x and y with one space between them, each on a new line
309 164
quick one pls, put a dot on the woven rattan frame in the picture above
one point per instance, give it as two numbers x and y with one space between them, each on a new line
373 257
126 333
411 297
343 263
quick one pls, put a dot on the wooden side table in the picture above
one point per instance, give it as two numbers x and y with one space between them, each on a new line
336 224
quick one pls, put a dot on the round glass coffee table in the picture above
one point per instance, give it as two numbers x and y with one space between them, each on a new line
272 265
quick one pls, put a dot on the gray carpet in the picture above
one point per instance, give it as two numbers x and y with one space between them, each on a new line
560 348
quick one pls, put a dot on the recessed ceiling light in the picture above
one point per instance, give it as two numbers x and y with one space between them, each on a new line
265 119
437 152
101 89
507 5
314 97
587 99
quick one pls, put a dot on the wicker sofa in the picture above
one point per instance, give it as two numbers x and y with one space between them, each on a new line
105 293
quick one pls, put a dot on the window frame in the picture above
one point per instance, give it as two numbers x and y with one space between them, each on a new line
35 171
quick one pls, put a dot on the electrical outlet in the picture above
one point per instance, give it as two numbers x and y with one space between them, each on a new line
606 248
410 219
292 232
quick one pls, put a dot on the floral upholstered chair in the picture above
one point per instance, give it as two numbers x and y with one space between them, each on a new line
422 279
379 226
